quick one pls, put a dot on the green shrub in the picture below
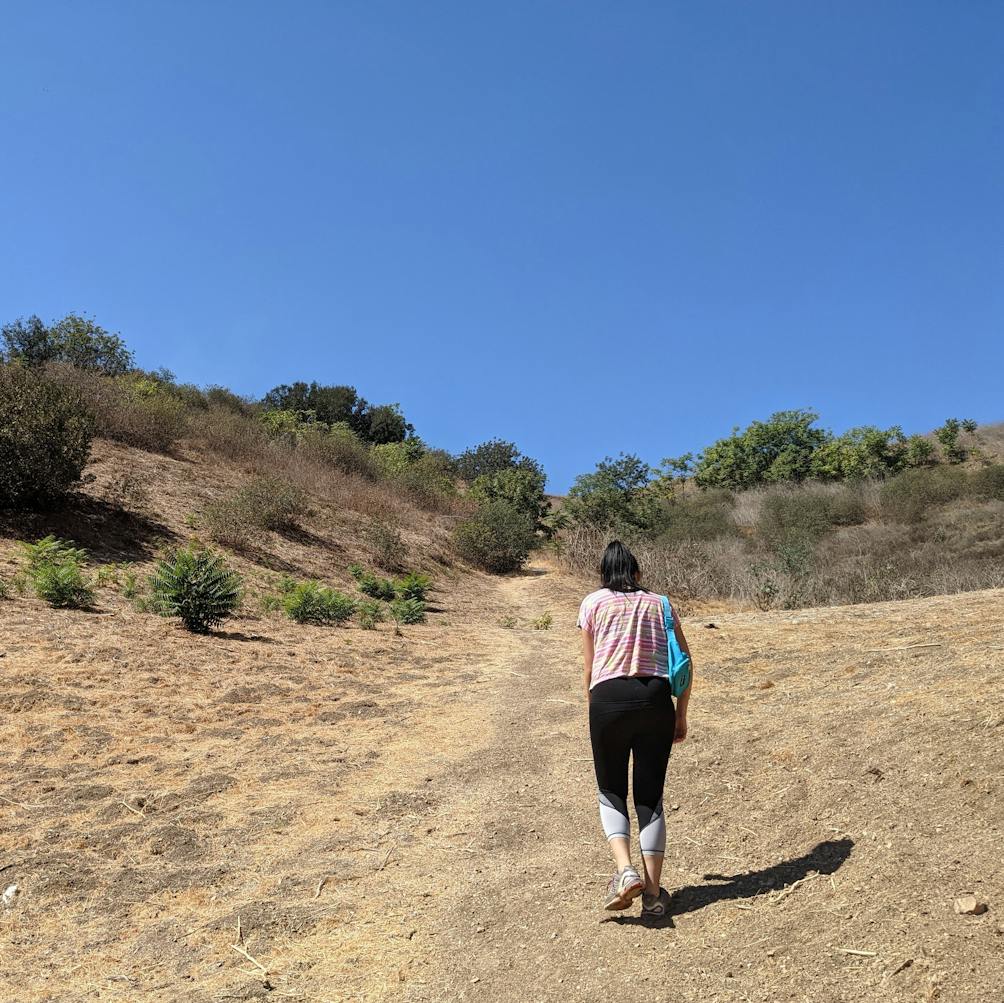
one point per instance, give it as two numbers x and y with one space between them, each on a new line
497 538
45 439
793 515
49 550
62 585
311 602
369 613
54 569
508 621
130 585
988 483
264 503
357 571
522 488
406 611
385 541
543 622
703 516
272 503
909 496
430 481
196 586
376 588
412 586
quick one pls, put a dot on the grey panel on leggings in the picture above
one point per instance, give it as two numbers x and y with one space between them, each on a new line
614 816
652 824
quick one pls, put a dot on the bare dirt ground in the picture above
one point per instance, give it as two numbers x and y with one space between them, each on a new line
370 817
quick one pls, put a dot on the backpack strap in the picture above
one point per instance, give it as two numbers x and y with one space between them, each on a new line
667 615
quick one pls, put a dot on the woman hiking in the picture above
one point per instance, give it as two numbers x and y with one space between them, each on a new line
626 660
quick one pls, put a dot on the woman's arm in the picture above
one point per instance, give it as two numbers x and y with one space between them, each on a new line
683 700
587 660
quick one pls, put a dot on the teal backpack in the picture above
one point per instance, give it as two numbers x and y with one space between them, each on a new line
679 660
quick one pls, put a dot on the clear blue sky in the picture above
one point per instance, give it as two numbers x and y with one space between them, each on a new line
587 227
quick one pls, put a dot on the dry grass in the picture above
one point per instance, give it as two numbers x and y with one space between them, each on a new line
413 818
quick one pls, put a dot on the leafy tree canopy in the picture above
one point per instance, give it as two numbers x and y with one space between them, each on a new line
75 340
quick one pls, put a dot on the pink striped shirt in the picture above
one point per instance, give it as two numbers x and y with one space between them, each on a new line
629 636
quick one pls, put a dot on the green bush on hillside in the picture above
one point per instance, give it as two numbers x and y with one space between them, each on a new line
45 439
408 611
497 538
702 516
412 586
988 483
311 602
520 487
264 503
196 586
369 612
375 587
55 570
909 496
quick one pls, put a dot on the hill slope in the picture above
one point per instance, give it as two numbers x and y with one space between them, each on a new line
413 818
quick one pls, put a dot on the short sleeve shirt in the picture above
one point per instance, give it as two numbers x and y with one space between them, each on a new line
629 635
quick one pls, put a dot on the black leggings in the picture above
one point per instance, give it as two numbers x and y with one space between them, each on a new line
632 715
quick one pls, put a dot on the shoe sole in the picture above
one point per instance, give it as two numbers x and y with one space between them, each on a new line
623 899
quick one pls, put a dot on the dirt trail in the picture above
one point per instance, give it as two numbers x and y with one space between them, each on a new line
832 799
414 819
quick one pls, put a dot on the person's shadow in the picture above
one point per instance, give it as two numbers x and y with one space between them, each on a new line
823 858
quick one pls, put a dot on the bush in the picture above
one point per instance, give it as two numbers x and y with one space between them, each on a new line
45 439
62 585
412 586
543 622
385 542
272 503
375 587
134 409
703 516
909 496
522 488
806 515
988 483
369 612
311 602
196 586
264 503
497 538
55 571
405 611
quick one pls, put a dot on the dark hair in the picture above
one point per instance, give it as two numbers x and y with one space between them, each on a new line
619 568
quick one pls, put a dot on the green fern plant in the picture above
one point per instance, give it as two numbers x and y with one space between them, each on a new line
406 611
311 602
197 587
369 613
55 571
413 586
375 587
49 550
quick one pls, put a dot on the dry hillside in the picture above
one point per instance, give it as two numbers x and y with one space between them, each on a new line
331 814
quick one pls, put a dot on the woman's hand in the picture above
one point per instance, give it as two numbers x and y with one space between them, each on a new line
681 728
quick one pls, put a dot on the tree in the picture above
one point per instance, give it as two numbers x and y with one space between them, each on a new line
861 452
491 457
334 405
779 449
520 487
75 340
614 495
